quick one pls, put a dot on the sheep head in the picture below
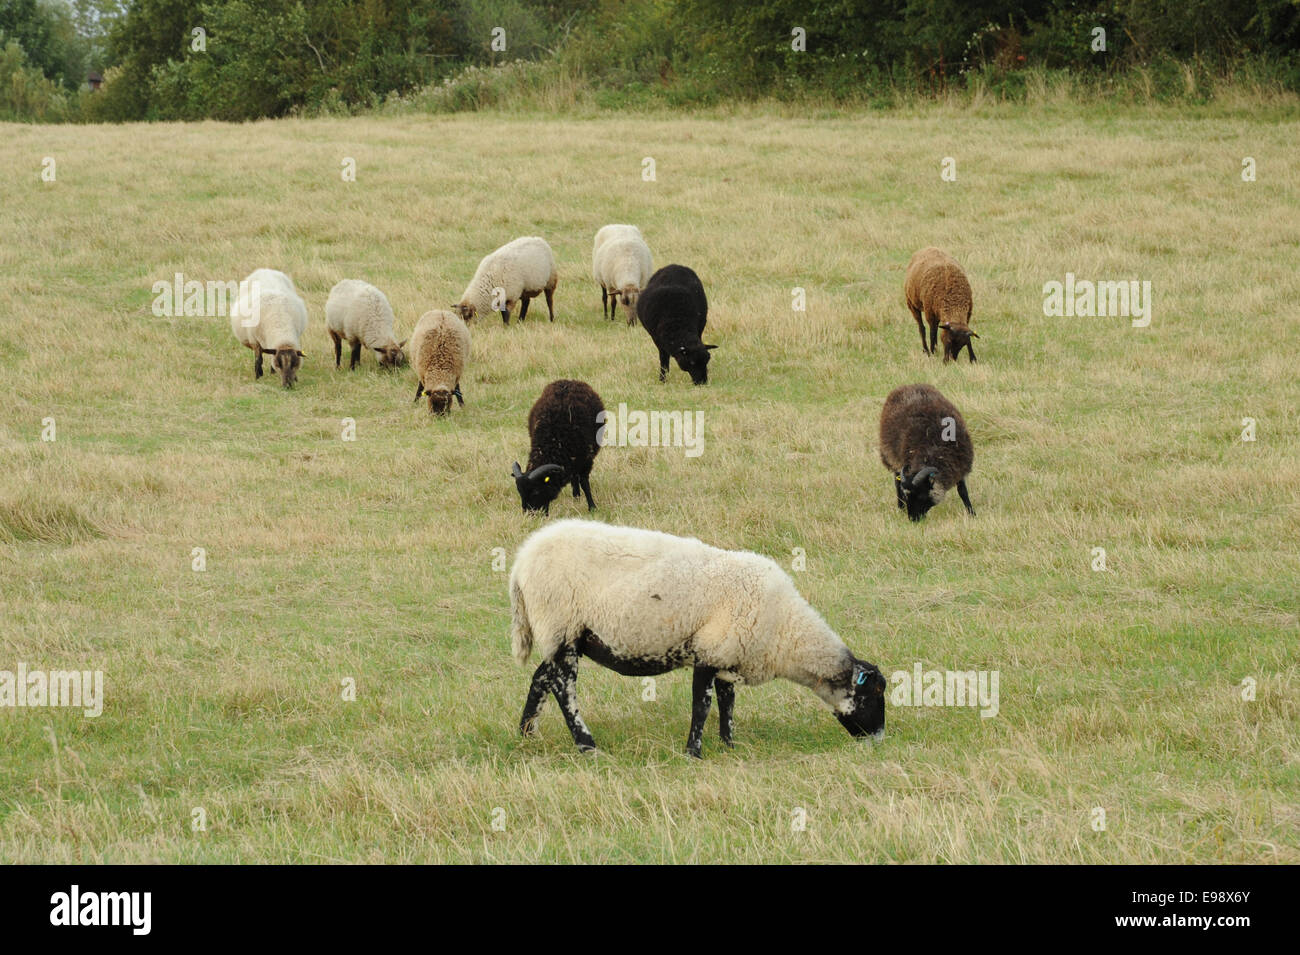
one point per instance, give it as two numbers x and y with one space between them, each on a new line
918 491
391 356
465 311
955 337
860 700
694 360
539 486
440 400
286 360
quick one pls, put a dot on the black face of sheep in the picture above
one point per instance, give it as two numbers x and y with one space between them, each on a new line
956 336
539 486
286 362
695 362
866 716
916 493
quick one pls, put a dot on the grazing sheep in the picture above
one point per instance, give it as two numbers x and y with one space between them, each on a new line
520 270
562 427
360 314
269 317
642 603
673 309
440 349
955 336
936 286
924 441
621 265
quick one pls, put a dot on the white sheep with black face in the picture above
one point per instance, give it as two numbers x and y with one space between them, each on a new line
642 603
360 314
269 318
621 264
519 271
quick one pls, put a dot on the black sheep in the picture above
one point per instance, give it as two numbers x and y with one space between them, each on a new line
562 426
673 309
924 441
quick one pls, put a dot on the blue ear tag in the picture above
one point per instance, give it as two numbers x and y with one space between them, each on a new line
862 678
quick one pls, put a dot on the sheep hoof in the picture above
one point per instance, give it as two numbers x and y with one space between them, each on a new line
587 747
695 753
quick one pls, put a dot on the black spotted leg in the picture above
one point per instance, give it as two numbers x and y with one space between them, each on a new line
726 708
702 699
559 677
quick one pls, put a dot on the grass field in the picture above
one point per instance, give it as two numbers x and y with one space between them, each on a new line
373 559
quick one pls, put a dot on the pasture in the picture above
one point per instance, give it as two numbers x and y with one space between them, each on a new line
380 560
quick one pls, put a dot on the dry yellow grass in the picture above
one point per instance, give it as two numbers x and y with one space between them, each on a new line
373 559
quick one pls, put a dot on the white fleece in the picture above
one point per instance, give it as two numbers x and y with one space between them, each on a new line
357 311
646 594
622 264
279 318
521 265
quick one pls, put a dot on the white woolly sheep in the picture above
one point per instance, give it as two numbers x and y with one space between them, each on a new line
269 317
621 264
936 286
642 603
359 313
439 350
516 272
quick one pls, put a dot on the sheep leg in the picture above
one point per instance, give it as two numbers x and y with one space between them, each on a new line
564 687
505 316
356 355
726 706
419 389
257 364
550 302
898 490
338 348
576 483
934 331
965 497
920 324
970 351
586 489
523 306
604 299
537 691
663 365
702 699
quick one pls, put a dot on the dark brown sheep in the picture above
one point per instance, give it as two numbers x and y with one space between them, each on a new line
562 427
924 442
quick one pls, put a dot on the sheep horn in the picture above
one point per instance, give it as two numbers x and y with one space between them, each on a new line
922 474
516 472
544 471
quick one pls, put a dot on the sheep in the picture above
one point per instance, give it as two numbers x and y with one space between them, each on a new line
673 309
924 441
440 348
621 265
936 286
641 603
562 428
516 272
359 313
269 317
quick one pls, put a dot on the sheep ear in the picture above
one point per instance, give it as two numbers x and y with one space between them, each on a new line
516 471
974 334
402 343
710 347
301 355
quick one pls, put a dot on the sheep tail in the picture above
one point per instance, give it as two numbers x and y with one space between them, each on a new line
521 634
